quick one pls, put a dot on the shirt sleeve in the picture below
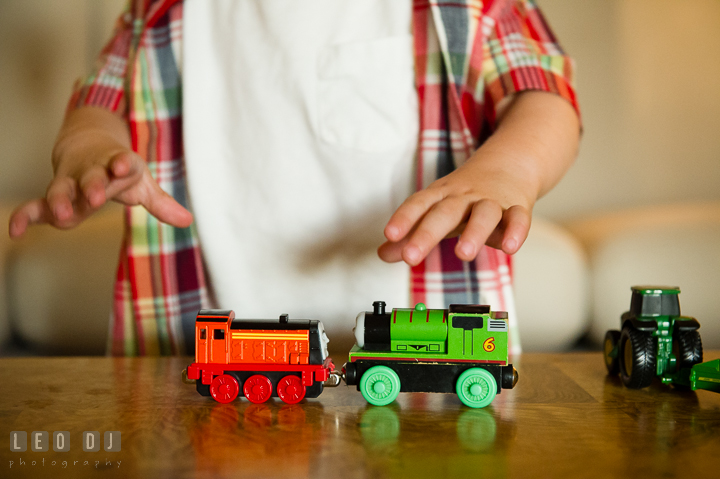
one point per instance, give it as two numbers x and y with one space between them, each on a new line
520 52
105 87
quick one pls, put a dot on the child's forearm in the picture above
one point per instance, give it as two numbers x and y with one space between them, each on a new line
489 199
537 132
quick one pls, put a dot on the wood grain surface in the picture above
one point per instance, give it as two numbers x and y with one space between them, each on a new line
565 418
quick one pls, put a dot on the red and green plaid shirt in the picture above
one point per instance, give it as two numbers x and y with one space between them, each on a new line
469 55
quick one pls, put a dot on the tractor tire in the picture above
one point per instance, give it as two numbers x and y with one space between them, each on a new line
612 338
689 349
637 355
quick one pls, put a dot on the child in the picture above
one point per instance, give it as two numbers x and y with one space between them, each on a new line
293 125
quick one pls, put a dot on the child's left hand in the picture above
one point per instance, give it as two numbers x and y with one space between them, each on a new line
489 199
481 205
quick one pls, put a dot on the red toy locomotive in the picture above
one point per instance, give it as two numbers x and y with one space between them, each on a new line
285 359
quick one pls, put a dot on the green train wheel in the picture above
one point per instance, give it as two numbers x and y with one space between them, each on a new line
476 388
380 385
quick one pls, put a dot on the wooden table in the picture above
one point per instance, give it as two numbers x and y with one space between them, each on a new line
565 418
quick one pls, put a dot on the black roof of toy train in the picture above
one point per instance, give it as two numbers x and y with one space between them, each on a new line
213 315
468 309
268 324
284 322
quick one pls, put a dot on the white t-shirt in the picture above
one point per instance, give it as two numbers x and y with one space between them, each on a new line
300 131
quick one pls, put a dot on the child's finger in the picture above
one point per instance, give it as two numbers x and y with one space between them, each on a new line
124 164
127 169
93 184
392 252
496 237
434 226
33 212
61 194
484 218
517 221
164 207
409 213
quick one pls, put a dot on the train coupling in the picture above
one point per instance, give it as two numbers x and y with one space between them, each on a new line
334 376
185 377
334 380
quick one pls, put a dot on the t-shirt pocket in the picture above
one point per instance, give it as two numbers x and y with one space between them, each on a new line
366 94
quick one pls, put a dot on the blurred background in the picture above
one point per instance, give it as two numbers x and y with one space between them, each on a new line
641 205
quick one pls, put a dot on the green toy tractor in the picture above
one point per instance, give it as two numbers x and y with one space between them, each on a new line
654 340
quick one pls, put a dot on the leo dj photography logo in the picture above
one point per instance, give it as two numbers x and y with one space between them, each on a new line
40 442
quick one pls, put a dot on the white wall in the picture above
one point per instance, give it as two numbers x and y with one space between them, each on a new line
45 45
649 87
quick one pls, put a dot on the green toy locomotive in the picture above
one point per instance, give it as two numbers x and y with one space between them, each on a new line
462 349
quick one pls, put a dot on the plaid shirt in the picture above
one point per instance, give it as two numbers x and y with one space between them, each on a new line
469 55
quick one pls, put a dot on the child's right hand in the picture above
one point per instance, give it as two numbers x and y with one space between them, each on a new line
93 162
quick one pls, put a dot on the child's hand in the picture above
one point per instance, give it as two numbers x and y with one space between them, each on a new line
93 163
483 205
489 199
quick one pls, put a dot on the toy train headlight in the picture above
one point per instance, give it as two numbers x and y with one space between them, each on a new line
323 340
359 329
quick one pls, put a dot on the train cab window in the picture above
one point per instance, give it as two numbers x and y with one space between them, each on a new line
467 322
218 334
203 333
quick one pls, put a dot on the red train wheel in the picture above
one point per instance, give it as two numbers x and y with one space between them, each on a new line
224 388
257 389
291 389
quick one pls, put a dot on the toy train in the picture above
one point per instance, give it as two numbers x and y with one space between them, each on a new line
285 359
462 349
